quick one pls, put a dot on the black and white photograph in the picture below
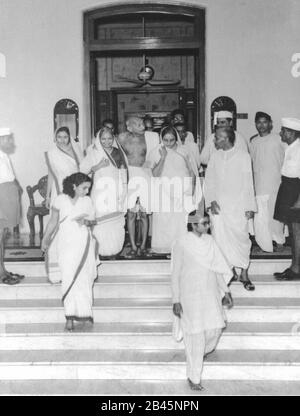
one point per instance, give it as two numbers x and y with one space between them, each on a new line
149 200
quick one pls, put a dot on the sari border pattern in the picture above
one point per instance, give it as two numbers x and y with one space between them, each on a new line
80 266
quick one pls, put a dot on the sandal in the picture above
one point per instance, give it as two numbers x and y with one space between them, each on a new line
131 254
248 285
19 276
144 252
10 280
235 276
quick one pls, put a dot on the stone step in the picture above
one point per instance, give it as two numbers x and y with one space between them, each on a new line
149 388
138 267
164 328
141 287
147 365
143 336
146 310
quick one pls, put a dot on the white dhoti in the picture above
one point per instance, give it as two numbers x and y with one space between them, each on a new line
266 229
110 234
196 347
139 186
230 230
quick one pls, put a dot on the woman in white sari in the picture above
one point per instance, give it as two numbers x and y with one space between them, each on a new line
62 161
72 214
170 162
106 160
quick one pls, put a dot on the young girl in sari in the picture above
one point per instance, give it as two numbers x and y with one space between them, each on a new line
107 162
170 161
61 161
72 215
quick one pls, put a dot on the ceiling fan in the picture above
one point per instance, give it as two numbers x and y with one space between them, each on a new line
146 73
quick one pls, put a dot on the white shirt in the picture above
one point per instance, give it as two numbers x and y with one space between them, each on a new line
6 170
267 154
291 163
229 181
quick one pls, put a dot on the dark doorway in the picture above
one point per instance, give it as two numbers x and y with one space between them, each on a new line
168 40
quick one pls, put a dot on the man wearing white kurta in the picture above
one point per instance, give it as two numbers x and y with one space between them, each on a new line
267 154
229 194
221 119
200 275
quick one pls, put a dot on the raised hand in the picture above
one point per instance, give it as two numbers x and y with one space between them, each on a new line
163 152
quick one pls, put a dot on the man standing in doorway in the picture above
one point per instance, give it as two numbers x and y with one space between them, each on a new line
221 119
137 144
229 194
177 117
267 154
287 208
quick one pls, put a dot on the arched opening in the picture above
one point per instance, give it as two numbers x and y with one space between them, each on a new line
146 60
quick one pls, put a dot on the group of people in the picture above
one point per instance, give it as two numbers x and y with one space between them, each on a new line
129 171
141 172
242 180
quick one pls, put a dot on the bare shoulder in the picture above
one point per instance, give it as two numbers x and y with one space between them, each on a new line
123 137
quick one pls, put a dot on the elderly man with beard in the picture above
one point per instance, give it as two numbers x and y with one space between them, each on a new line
9 201
137 145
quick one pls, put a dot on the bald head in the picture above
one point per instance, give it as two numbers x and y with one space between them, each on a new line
135 125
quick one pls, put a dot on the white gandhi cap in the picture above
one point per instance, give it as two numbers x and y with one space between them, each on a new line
5 131
291 123
221 114
224 114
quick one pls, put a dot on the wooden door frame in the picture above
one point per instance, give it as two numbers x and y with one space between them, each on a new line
197 43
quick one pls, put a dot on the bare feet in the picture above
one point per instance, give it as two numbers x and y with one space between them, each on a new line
194 386
69 325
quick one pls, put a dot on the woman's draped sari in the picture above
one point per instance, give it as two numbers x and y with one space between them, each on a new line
61 164
76 264
174 202
108 195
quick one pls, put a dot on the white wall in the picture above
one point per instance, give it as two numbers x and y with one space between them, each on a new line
248 50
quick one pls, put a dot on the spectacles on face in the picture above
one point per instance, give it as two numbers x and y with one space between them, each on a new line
205 223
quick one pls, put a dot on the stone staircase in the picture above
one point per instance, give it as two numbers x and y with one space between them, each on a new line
129 350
